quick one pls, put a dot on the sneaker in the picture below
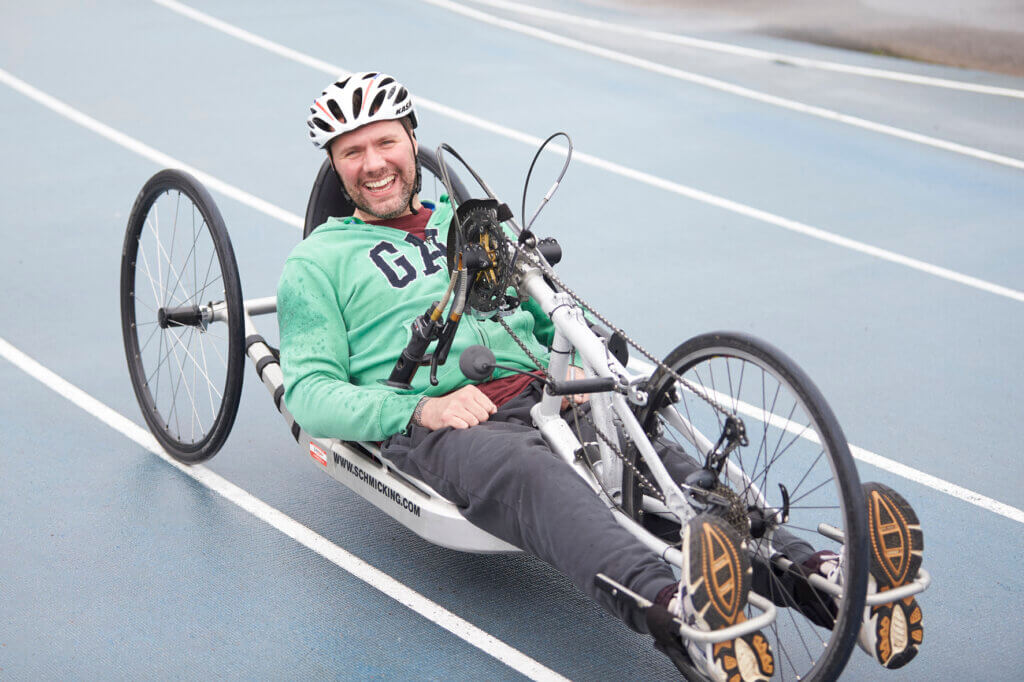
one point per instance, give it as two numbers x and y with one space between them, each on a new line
713 595
891 633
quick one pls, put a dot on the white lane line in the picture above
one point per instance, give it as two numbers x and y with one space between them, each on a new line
296 221
763 55
876 460
723 86
615 168
344 560
936 483
148 152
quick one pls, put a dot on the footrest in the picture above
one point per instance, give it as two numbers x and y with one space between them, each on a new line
766 618
920 583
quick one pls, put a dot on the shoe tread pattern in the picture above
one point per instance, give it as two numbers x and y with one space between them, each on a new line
897 546
717 580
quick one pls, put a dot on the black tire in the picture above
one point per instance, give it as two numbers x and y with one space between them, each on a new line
780 408
177 257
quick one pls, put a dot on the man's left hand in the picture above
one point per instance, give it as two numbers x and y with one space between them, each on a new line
578 398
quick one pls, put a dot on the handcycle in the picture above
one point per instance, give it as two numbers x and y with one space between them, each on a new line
773 458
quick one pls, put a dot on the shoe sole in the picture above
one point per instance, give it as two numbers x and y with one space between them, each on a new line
897 546
717 575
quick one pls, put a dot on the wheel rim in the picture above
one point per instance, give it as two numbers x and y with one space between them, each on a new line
792 443
183 367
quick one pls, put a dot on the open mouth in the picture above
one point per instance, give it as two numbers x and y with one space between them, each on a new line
380 186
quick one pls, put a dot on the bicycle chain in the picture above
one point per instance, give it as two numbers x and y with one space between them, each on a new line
644 482
549 272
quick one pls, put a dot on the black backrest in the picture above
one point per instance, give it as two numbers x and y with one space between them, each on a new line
327 200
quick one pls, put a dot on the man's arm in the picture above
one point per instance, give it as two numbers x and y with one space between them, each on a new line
315 363
543 327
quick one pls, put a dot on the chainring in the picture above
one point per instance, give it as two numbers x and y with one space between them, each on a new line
486 253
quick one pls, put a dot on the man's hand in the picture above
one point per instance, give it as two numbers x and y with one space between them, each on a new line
460 409
578 398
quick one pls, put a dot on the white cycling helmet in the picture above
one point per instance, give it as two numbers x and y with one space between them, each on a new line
353 102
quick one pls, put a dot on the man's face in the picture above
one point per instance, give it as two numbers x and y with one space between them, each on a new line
376 164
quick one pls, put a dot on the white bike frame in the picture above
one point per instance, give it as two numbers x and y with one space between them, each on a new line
414 504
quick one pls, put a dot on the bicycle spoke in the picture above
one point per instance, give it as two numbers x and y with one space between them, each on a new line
168 295
194 362
149 338
808 506
141 251
739 388
199 293
181 377
206 277
209 385
170 257
823 483
174 395
188 259
821 453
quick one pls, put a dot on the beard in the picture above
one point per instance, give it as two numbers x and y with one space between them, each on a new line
393 206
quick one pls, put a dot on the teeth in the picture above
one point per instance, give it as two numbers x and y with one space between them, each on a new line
380 183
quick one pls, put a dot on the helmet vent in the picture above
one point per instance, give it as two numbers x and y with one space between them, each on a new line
357 102
400 97
342 84
335 110
385 81
368 76
323 125
377 101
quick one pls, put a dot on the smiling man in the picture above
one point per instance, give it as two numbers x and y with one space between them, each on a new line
378 169
346 300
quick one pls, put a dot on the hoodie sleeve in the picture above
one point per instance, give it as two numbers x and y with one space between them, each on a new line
315 364
543 327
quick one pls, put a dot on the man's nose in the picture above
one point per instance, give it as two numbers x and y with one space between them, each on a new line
373 160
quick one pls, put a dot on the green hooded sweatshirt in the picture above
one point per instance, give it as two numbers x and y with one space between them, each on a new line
345 305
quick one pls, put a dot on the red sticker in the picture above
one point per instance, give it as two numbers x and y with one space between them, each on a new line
318 454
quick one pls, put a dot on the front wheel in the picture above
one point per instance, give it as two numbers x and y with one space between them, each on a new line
181 316
790 473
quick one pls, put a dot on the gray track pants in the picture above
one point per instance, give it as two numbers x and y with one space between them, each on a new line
505 479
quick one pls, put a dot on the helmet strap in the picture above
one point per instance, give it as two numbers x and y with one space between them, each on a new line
418 183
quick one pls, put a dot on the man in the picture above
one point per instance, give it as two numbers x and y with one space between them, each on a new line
346 300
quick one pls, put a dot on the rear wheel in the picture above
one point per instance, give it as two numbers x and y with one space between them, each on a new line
793 473
181 316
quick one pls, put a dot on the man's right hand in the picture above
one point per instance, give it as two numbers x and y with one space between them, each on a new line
460 409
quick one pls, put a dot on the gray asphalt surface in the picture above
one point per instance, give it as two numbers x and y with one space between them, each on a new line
114 565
